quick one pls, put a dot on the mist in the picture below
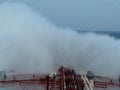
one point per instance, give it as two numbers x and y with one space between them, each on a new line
31 43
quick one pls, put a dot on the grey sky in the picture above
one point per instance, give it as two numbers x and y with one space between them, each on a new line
80 14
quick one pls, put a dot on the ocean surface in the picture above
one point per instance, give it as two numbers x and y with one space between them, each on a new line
115 34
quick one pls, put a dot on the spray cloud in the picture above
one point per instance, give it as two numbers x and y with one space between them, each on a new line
31 43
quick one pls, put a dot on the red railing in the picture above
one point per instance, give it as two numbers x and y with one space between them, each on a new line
66 79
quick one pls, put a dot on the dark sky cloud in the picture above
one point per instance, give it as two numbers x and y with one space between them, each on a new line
80 14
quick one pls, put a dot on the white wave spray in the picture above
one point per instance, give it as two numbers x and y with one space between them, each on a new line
30 43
